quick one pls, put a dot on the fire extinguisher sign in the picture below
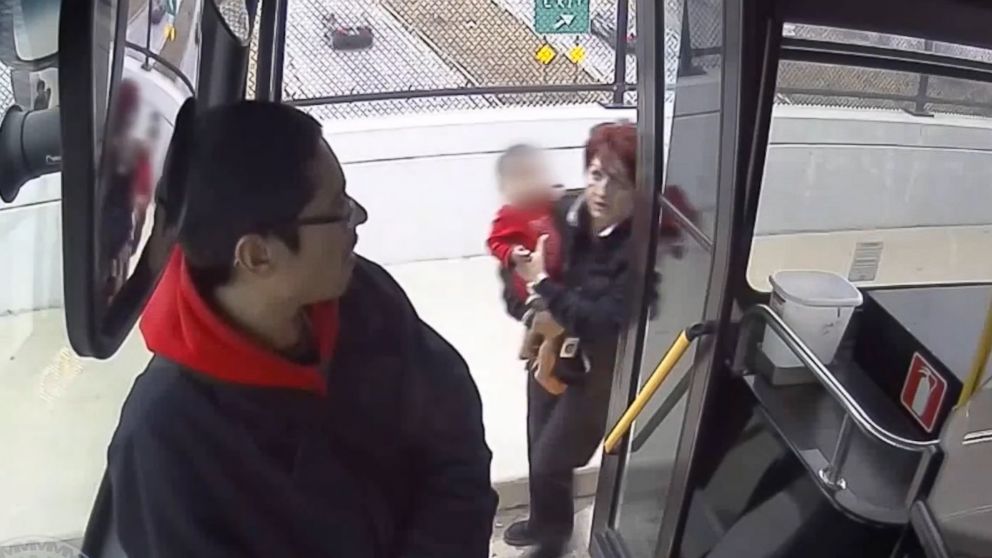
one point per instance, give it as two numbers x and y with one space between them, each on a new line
923 392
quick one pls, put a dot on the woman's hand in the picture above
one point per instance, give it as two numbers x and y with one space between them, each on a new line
533 268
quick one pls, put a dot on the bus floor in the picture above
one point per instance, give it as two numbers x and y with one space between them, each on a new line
580 539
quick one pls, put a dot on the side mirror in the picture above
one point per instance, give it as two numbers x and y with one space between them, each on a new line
29 33
30 146
116 118
120 214
29 132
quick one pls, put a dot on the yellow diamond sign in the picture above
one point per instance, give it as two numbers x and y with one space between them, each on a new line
545 54
577 54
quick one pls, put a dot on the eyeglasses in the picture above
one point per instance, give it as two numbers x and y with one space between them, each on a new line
353 216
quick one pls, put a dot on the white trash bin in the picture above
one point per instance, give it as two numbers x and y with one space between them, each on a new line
817 305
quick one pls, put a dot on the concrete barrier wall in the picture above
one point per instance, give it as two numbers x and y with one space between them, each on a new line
429 181
831 170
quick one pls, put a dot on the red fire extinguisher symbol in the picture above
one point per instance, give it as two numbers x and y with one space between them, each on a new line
923 392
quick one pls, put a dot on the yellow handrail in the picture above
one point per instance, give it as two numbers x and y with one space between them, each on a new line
671 358
974 381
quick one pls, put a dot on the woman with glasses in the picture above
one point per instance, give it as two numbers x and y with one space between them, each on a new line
589 304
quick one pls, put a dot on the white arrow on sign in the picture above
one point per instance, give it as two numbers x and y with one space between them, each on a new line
564 20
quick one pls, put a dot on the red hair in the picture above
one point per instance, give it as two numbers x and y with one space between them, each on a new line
614 142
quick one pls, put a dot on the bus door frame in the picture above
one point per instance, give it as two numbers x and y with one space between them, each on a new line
745 117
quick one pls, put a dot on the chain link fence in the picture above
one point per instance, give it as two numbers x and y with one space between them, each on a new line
472 53
825 85
470 46
6 88
444 55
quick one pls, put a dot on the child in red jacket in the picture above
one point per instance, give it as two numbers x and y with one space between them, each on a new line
526 217
527 214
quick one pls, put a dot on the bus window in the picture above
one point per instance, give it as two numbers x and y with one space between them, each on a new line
881 176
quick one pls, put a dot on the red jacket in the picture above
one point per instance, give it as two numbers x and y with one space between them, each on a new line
517 226
179 325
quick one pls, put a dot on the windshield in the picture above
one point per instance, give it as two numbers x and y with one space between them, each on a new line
879 175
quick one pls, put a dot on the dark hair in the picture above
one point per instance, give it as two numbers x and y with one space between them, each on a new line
614 142
245 169
513 154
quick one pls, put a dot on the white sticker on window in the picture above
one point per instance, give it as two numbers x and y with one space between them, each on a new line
867 256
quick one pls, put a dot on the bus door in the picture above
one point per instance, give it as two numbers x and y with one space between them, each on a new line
684 97
778 111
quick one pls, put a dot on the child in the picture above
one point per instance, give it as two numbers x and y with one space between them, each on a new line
527 216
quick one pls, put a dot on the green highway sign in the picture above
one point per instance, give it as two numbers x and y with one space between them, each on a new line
561 16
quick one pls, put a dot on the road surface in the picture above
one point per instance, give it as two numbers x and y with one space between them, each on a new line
183 52
398 60
137 28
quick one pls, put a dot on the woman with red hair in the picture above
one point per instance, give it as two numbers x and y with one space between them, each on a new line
588 302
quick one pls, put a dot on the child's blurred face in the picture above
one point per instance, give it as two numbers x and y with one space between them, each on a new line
525 180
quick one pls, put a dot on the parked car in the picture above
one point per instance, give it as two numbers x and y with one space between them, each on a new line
604 26
345 35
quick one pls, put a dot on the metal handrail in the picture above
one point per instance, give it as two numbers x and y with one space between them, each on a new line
685 338
458 92
165 63
862 420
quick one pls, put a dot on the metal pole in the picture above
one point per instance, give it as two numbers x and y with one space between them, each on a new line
974 381
923 86
831 473
266 47
919 477
279 52
148 37
620 59
686 66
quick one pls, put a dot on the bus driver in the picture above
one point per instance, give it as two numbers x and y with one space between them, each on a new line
295 405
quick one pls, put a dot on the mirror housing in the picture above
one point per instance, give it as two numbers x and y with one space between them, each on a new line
30 146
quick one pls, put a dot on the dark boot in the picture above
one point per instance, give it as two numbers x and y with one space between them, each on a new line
520 534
